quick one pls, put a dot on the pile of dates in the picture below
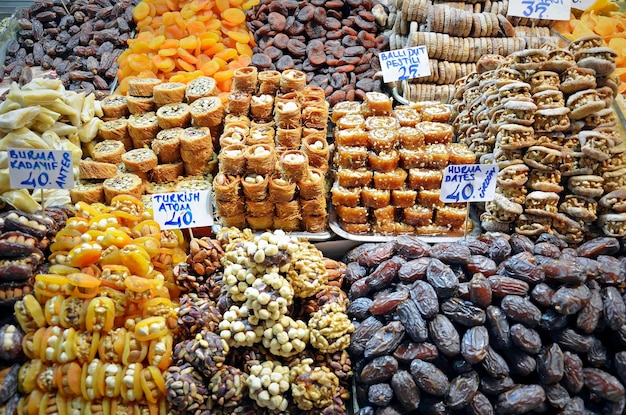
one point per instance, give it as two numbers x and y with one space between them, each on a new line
493 324
80 40
336 43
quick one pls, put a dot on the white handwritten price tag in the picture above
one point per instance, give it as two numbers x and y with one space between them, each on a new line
31 168
540 9
469 183
182 210
403 64
582 4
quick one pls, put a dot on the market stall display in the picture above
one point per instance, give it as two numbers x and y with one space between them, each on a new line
262 328
545 116
388 168
334 42
489 325
80 41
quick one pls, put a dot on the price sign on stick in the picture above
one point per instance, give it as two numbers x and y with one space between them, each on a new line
582 4
540 9
469 183
180 210
403 64
31 168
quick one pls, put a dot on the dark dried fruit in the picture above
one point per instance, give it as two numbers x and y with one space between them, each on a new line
380 394
411 319
502 286
474 344
380 369
406 390
551 320
429 378
495 386
444 335
463 312
480 405
573 376
520 363
498 327
442 278
520 309
550 364
557 396
603 384
413 270
598 246
363 333
569 339
521 399
542 294
480 290
385 340
425 298
462 390
385 303
408 351
450 253
411 247
384 273
495 364
480 264
522 266
614 308
526 338
359 308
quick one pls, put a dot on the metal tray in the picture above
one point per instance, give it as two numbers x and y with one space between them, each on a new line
310 236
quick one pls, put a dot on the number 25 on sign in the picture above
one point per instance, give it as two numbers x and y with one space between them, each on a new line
540 9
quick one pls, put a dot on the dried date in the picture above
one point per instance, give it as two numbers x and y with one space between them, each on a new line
542 294
557 396
597 355
450 253
495 364
614 308
499 249
385 303
598 246
363 333
520 309
463 312
480 264
411 319
354 272
603 384
408 351
385 340
573 376
479 289
406 390
551 320
442 278
429 378
564 272
480 405
522 267
444 335
379 369
474 344
462 390
520 243
502 286
550 364
380 394
425 298
525 338
498 327
520 363
384 273
520 399
413 270
411 247
495 386
359 308
569 301
571 340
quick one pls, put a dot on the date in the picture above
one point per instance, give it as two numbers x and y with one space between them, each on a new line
429 378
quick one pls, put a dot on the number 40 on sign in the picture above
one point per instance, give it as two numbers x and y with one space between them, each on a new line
469 183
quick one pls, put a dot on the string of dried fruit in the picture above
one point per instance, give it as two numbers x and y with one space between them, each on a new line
266 331
24 240
182 40
494 324
80 40
100 322
545 117
334 42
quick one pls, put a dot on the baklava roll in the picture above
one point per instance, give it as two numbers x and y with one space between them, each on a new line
143 128
348 157
261 134
196 145
287 114
350 121
287 224
114 130
226 188
294 165
390 180
232 160
307 131
315 101
350 197
259 208
168 93
281 190
139 105
418 215
237 221
313 207
410 138
382 139
174 115
166 145
167 172
316 148
114 107
292 80
287 209
314 117
289 138
375 198
315 223
260 159
255 187
207 112
344 108
269 82
403 198
230 208
262 107
311 91
260 223
232 137
202 86
313 185
238 103
358 214
354 177
384 161
435 132
245 79
351 137
420 179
